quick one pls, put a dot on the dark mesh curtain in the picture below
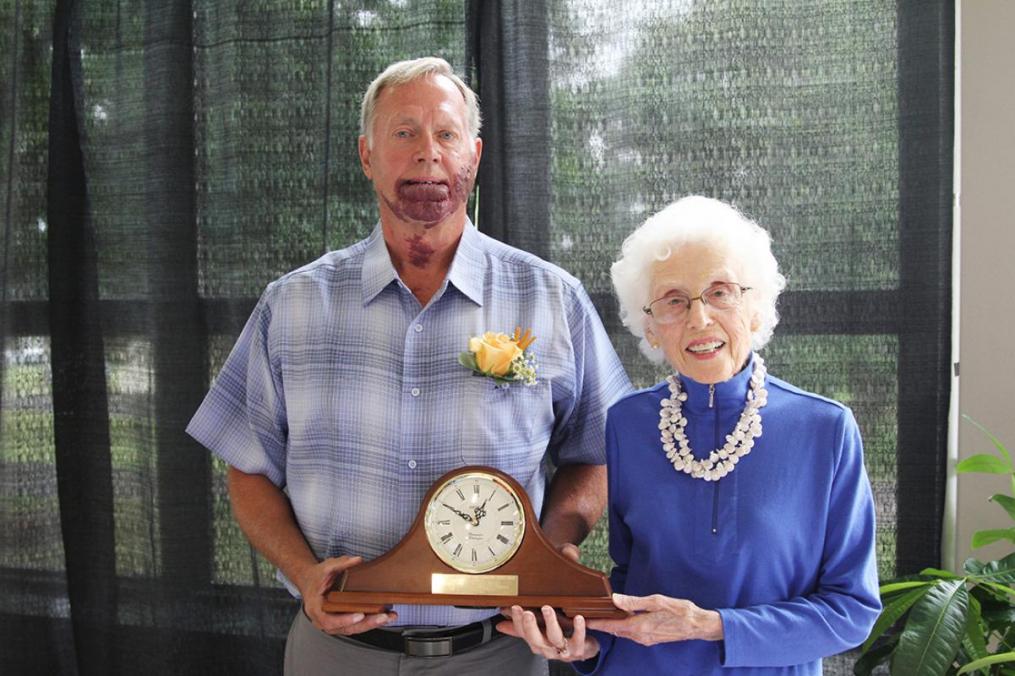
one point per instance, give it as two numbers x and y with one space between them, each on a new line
161 161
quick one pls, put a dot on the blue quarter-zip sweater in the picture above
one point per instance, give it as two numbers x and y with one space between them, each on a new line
782 547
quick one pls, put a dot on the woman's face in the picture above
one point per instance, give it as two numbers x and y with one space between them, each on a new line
707 344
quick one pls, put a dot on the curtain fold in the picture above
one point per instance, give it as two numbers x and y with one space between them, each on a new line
80 402
508 59
926 128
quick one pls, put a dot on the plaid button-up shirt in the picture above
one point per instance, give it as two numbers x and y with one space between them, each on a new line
346 392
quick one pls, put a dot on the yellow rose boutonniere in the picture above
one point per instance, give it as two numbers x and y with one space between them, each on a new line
501 357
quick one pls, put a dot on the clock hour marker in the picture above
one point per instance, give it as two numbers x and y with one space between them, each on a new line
458 549
444 523
506 504
473 554
499 537
475 489
490 549
446 537
507 523
461 495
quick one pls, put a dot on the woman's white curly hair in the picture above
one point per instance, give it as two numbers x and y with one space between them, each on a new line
703 221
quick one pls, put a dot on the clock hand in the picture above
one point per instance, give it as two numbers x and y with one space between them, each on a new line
481 510
461 514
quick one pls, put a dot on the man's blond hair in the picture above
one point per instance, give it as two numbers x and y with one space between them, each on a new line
403 72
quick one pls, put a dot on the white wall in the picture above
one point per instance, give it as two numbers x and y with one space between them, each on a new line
985 153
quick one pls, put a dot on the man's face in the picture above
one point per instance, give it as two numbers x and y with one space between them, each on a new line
422 161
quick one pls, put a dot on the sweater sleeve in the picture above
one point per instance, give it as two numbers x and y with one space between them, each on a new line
840 612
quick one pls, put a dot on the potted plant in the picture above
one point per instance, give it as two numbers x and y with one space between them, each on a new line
938 622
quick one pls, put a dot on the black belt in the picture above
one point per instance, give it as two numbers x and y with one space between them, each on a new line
430 642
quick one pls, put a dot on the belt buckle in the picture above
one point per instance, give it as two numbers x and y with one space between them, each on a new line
424 646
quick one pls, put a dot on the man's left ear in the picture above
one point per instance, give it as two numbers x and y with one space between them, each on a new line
755 321
364 156
479 150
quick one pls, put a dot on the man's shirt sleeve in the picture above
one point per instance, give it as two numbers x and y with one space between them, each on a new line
599 380
243 418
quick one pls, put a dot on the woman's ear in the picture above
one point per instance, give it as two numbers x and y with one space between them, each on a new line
651 337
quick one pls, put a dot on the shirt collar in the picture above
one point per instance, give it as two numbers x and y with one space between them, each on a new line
378 271
732 391
468 268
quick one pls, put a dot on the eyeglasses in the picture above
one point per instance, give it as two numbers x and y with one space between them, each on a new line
674 307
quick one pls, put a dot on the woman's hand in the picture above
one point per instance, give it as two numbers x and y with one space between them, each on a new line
551 642
661 619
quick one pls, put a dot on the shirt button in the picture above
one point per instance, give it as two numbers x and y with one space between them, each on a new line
415 391
419 328
412 464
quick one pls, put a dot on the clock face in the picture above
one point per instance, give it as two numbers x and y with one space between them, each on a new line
474 522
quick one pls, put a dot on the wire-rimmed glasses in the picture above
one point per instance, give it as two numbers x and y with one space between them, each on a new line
674 306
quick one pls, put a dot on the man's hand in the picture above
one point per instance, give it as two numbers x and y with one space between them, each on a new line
316 581
571 551
661 619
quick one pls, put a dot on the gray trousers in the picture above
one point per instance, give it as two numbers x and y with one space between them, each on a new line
309 652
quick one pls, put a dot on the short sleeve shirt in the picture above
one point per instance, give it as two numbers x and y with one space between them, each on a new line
348 394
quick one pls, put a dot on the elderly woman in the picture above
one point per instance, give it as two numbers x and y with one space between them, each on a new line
741 518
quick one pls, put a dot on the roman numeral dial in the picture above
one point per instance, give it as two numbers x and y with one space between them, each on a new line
474 522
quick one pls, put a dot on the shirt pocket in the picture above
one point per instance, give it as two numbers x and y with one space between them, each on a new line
508 427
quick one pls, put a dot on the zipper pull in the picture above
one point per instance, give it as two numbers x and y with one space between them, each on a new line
711 395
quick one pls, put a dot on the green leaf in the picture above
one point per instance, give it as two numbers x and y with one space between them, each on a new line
974 641
998 618
1002 570
872 658
891 613
468 360
1005 501
997 444
1003 590
1000 658
936 624
984 464
981 538
892 587
972 566
937 572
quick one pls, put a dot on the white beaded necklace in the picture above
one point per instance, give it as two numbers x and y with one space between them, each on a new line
721 461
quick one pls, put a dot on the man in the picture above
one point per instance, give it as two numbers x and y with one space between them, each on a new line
343 399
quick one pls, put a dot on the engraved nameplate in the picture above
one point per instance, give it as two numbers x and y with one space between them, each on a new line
480 585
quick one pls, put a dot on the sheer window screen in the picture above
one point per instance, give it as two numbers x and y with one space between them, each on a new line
787 111
219 151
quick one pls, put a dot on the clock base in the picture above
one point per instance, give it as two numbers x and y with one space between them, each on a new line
379 602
